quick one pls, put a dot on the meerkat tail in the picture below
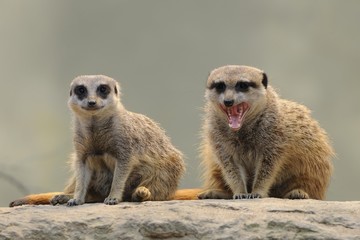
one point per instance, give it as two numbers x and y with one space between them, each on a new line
35 199
141 194
187 194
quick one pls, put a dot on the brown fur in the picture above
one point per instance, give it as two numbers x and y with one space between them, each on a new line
119 155
279 150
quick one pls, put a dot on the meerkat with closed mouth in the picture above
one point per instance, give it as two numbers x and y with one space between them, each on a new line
256 144
119 155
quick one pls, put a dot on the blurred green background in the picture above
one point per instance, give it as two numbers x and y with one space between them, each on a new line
162 52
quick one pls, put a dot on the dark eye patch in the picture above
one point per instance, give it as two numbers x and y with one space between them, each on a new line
80 91
242 86
220 87
103 91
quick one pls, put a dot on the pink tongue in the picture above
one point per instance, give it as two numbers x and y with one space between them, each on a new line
234 117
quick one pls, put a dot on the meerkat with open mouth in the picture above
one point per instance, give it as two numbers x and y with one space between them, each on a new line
256 144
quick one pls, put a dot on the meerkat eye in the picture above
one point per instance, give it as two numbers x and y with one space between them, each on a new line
220 87
80 91
103 90
242 86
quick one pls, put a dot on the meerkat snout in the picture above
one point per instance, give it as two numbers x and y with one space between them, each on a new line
91 103
228 103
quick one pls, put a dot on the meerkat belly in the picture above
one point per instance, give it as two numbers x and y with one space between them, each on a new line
102 168
246 163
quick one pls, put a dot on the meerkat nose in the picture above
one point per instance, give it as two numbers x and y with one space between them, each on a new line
91 103
228 103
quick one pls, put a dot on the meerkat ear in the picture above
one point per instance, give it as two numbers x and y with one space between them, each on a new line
264 80
117 89
70 92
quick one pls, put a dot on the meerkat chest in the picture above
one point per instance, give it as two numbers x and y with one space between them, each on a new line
97 138
246 158
97 155
98 143
242 151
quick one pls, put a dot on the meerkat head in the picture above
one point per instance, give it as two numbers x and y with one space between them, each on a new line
237 92
94 94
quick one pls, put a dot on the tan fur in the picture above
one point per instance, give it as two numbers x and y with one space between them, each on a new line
119 155
279 150
187 194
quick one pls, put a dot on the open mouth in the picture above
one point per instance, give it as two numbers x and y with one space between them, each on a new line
235 114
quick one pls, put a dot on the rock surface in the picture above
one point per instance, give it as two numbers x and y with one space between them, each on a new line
205 219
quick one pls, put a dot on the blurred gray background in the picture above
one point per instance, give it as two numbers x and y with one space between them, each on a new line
162 52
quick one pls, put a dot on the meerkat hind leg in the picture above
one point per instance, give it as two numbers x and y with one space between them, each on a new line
141 194
215 194
297 194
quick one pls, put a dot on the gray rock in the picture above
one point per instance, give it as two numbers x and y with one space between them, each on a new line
205 219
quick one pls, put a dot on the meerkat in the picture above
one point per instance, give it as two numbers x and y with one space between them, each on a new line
118 155
256 144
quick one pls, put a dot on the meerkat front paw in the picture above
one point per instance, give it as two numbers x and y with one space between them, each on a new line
74 202
111 201
247 196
